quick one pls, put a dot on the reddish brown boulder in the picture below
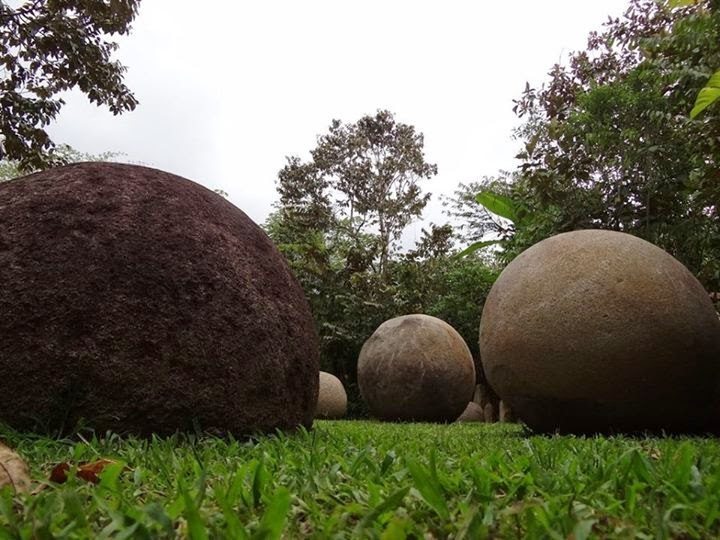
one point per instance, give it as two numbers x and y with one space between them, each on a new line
416 367
137 301
599 331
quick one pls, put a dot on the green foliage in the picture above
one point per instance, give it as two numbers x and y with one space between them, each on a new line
374 480
475 246
366 174
498 204
608 143
460 297
708 95
46 48
474 221
65 153
8 170
447 287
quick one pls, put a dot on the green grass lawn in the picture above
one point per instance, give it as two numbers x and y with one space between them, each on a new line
364 479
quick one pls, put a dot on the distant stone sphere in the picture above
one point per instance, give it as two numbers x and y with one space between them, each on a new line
472 413
598 331
416 367
140 302
332 398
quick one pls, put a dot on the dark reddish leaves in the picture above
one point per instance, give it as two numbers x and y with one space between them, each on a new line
87 471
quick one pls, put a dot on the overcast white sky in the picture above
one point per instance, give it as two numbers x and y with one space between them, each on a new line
228 89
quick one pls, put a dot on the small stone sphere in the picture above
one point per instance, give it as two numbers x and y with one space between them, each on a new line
598 332
472 413
136 301
332 399
416 367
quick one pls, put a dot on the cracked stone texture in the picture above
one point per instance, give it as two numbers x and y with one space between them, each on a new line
416 367
332 399
138 301
600 331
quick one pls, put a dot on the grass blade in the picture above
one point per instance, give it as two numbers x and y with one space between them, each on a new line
390 503
273 520
429 488
196 527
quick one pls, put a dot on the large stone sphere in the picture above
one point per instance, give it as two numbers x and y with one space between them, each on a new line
599 331
137 301
416 367
332 398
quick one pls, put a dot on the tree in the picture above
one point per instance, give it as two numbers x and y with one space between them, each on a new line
334 272
367 174
608 142
337 222
46 48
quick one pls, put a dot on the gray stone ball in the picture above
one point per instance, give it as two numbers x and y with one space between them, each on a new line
599 331
332 398
416 367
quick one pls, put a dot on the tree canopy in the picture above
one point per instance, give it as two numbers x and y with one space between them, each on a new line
366 175
46 48
608 141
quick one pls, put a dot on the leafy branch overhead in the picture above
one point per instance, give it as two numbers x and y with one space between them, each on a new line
502 206
46 48
498 204
708 95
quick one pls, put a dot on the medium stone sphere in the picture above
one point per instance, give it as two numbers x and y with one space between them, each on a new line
332 399
136 301
599 331
416 367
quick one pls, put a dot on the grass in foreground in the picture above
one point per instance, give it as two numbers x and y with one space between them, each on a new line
365 479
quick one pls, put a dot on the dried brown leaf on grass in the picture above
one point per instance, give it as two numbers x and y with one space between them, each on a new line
87 471
13 471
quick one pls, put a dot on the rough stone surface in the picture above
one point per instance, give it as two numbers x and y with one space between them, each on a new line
479 396
484 394
332 399
416 367
489 413
472 413
142 302
599 331
506 415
